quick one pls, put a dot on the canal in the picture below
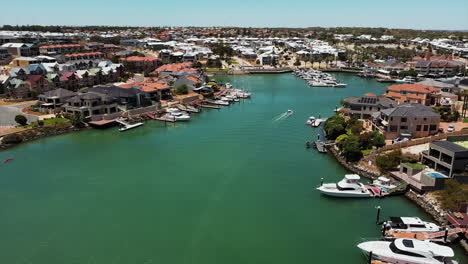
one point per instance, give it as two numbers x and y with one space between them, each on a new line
234 185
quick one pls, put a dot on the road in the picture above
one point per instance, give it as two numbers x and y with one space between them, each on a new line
8 113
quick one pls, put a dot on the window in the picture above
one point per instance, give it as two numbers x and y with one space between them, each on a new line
433 127
403 127
426 128
418 128
404 119
393 128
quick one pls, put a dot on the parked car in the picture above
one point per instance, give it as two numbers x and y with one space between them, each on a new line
451 128
399 140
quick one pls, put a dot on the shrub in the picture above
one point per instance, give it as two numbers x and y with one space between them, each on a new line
335 126
12 139
388 161
453 195
40 122
351 149
183 89
21 120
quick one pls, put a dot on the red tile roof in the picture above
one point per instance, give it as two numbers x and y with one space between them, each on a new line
83 54
414 88
175 67
370 95
137 58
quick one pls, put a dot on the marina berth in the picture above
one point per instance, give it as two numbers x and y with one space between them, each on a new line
317 78
408 251
410 224
385 183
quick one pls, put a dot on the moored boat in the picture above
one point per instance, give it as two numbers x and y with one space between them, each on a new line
349 187
408 251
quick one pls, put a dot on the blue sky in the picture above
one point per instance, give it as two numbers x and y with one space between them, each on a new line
417 14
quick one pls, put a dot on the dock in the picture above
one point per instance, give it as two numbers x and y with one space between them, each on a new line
320 146
439 236
207 106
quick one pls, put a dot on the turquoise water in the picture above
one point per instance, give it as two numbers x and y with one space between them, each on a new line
436 175
230 186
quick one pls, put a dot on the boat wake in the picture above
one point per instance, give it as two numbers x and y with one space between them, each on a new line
283 116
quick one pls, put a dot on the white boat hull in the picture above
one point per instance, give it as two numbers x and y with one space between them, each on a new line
331 190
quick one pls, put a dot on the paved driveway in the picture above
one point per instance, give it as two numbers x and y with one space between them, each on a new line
8 113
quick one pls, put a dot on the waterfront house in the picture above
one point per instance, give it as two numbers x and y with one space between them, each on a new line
364 106
54 99
126 98
407 120
419 177
413 93
91 105
447 158
437 65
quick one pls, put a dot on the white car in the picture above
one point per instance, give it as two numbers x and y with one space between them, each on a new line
399 139
451 128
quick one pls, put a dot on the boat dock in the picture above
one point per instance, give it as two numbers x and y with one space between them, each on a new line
320 146
207 106
439 236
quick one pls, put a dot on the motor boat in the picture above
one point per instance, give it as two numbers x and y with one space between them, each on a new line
410 224
172 110
408 251
178 116
310 121
340 85
124 126
347 187
384 183
407 79
192 109
317 122
289 112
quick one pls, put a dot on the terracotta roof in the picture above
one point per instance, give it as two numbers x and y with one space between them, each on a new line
137 58
370 95
83 54
414 88
174 67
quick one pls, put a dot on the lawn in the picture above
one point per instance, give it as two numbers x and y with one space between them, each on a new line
462 143
49 121
415 165
465 120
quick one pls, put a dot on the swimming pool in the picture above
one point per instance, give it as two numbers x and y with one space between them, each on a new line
436 175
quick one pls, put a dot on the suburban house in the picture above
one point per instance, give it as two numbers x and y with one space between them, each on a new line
84 60
437 65
364 106
91 105
140 64
407 120
5 56
413 93
54 99
22 49
38 84
126 98
61 49
447 158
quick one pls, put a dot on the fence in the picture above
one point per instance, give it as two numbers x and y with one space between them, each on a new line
418 141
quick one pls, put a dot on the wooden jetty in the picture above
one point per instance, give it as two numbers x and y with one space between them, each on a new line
438 236
320 146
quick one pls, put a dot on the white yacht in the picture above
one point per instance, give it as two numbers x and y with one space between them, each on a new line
124 126
408 251
221 102
407 79
347 187
384 183
410 224
172 110
317 122
178 116
310 121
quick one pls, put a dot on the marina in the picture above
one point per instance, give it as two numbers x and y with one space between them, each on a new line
316 78
212 183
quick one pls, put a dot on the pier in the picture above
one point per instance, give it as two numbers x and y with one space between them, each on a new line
207 106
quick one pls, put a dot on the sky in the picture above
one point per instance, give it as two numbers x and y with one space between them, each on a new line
414 14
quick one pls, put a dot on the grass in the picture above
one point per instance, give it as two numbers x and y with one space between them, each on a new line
233 62
415 165
465 120
462 143
366 152
49 121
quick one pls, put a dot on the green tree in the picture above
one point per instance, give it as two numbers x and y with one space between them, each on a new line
183 89
351 149
21 120
77 120
335 126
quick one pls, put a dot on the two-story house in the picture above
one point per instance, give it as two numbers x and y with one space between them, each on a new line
413 93
407 120
447 158
364 106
